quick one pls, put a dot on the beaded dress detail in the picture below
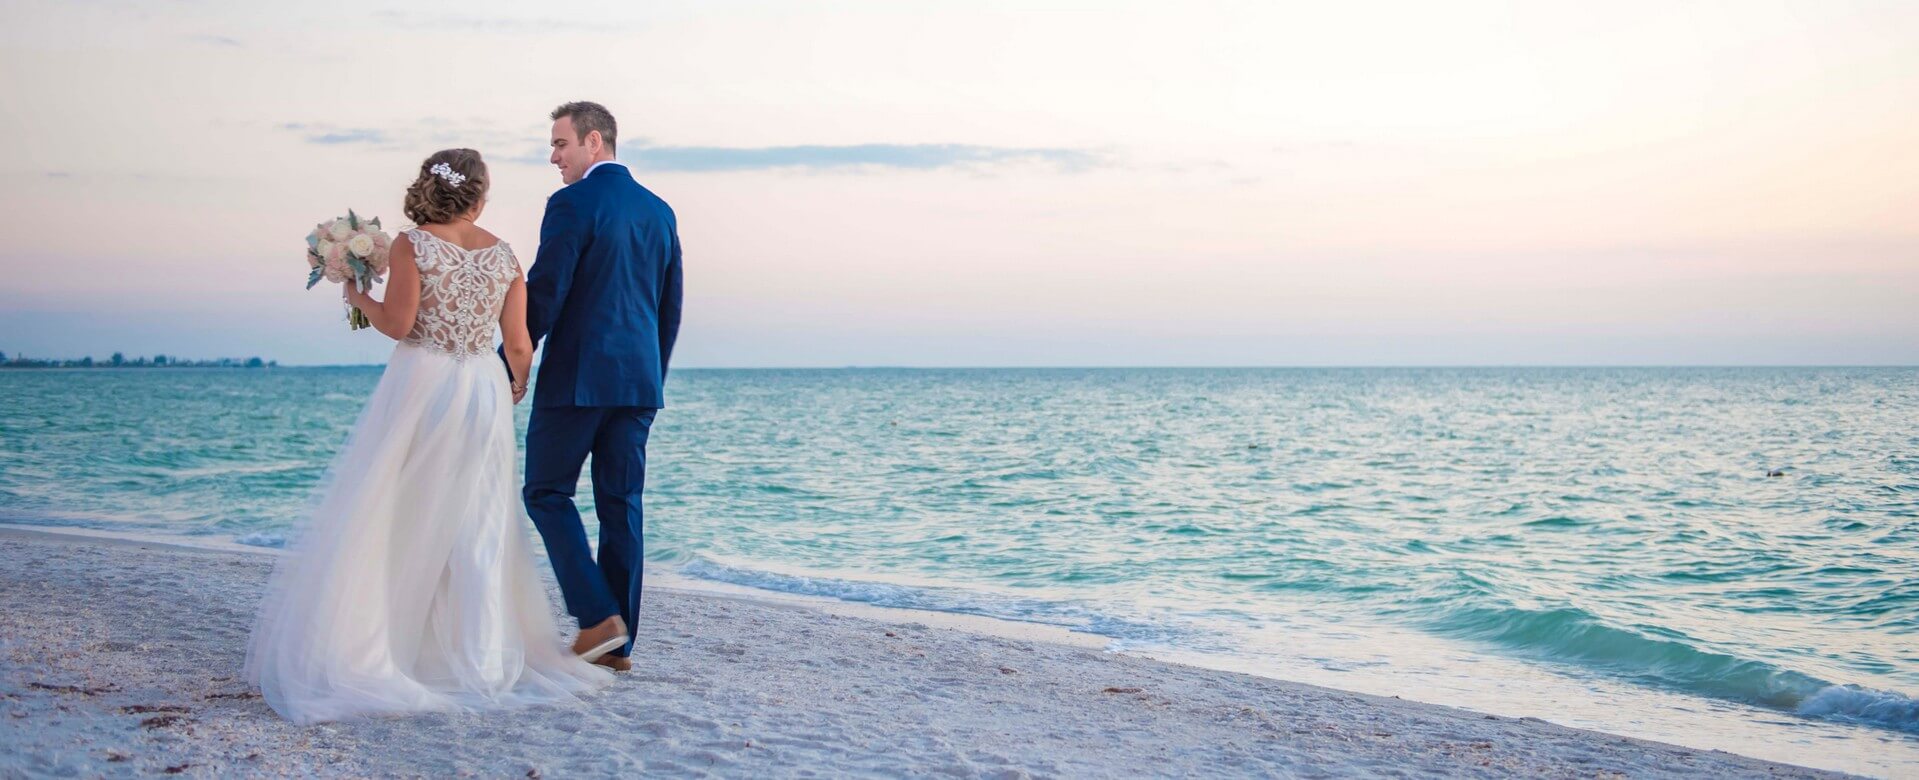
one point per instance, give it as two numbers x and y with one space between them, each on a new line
461 293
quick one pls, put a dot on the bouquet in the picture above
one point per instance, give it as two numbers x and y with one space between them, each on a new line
348 249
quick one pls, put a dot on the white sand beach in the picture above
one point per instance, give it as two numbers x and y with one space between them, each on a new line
123 657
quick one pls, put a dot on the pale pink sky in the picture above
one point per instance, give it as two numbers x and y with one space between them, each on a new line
971 183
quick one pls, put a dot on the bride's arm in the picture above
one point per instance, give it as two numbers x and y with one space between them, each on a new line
516 345
394 316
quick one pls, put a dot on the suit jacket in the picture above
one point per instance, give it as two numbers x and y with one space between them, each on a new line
604 293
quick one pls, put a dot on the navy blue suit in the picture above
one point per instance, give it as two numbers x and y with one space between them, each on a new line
604 294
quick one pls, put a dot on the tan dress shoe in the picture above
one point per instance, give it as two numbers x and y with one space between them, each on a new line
603 637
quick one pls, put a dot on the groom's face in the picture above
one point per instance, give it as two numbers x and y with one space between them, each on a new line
570 155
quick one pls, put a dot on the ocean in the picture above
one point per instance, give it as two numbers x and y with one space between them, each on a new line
1719 557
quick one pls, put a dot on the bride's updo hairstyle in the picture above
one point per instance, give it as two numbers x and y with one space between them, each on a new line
450 183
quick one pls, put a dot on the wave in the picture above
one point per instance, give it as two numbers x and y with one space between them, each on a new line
1125 632
1665 658
1852 703
263 539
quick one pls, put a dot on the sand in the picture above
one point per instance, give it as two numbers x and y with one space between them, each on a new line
123 657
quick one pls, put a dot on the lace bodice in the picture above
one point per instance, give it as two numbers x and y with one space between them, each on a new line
461 294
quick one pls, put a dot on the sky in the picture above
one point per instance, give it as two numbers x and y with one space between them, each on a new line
1009 184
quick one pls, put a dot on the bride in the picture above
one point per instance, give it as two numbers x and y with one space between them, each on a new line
412 586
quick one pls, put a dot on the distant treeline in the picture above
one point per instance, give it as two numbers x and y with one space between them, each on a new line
120 360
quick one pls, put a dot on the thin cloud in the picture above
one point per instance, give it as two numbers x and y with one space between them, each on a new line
817 158
332 136
846 158
217 40
914 157
122 175
427 134
351 136
502 24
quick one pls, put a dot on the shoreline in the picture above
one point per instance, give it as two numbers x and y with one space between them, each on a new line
667 580
121 656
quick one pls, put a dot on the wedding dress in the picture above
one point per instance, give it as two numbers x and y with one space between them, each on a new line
412 586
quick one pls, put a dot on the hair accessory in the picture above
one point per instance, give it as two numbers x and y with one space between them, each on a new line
446 172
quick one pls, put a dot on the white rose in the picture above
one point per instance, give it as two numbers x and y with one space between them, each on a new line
361 245
323 247
339 230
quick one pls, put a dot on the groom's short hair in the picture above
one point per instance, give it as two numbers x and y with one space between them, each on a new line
589 116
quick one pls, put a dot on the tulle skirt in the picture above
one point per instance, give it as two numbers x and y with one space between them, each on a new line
412 586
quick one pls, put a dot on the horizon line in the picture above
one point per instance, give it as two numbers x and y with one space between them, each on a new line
888 367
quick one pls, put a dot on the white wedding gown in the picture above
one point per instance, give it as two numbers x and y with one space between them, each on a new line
412 586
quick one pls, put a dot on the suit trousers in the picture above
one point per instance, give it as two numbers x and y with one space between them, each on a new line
558 441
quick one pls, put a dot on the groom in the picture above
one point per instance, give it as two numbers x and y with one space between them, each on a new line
604 292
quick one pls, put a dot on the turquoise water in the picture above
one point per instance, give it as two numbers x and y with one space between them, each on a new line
1601 547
